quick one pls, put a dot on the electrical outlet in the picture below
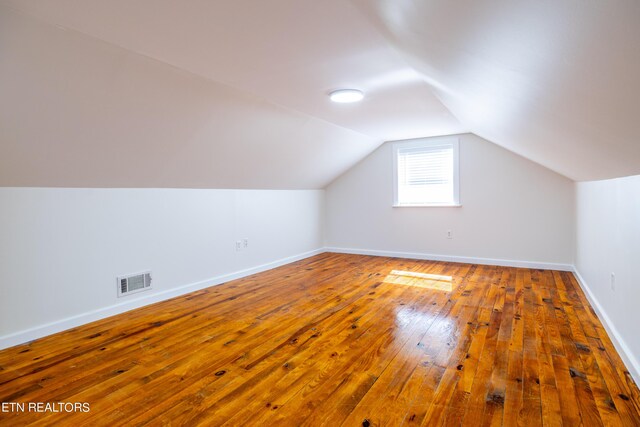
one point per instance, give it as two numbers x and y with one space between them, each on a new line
613 281
449 234
245 243
238 245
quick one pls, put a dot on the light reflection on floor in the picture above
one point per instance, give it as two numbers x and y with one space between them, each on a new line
420 280
438 330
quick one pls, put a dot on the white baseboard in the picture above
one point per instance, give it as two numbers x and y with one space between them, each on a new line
71 322
31 334
621 346
451 258
632 364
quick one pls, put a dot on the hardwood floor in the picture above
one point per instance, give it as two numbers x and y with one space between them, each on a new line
339 340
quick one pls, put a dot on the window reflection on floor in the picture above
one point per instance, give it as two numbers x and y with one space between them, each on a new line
420 280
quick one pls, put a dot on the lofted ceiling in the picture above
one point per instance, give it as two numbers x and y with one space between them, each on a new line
555 81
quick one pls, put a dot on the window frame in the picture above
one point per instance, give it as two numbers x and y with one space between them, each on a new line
428 142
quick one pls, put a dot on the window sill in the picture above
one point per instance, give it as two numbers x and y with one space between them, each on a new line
451 205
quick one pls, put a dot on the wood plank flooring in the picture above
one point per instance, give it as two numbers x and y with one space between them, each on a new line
338 340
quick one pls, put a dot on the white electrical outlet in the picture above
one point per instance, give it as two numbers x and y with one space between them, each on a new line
613 281
238 245
245 243
449 234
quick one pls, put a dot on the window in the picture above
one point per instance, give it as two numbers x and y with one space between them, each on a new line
426 172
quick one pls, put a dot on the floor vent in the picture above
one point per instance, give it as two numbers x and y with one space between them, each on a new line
134 283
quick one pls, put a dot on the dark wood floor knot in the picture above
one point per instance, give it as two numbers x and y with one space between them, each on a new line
575 373
583 347
496 398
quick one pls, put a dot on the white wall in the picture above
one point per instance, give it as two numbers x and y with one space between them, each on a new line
61 249
608 241
512 209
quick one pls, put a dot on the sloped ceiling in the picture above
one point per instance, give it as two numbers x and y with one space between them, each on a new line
233 93
251 111
557 81
78 112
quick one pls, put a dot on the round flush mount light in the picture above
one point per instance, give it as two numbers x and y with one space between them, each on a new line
346 95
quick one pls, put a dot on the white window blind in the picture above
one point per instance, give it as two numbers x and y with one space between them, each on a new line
426 173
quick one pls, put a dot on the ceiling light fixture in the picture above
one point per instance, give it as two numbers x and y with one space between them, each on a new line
346 95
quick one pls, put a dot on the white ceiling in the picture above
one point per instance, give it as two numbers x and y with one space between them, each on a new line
79 112
555 81
290 52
